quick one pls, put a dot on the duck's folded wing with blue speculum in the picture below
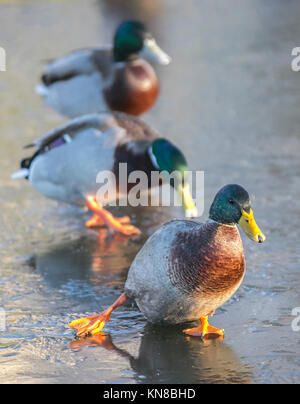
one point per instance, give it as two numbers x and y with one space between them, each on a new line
64 134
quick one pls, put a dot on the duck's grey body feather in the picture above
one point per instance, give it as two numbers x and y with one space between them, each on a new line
62 174
73 84
151 284
69 158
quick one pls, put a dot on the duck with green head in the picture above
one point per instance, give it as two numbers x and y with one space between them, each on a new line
186 270
117 77
68 160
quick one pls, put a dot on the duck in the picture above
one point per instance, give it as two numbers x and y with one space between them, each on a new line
107 148
117 78
186 270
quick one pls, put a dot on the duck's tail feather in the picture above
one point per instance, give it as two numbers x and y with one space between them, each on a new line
23 173
42 90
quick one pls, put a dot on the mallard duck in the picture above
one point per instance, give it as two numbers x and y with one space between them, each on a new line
186 270
115 78
69 160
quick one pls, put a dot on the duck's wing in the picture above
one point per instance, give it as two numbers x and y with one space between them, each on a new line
135 128
68 131
135 132
80 62
65 134
133 140
149 271
178 255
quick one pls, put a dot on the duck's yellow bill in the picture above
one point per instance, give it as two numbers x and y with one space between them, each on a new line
188 201
250 227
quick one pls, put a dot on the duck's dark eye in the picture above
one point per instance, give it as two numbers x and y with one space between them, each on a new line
231 201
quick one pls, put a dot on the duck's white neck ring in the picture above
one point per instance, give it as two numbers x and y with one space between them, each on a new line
222 224
153 158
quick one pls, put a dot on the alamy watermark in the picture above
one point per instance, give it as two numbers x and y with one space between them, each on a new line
132 189
2 320
295 65
296 321
2 60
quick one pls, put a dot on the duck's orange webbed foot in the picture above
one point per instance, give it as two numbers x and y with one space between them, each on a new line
90 325
95 221
94 324
106 218
205 330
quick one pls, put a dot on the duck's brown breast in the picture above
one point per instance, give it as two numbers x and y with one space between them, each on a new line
209 260
134 88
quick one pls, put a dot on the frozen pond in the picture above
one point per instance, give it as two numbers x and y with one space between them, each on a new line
231 101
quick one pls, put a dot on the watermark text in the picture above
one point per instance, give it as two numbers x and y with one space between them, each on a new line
2 320
167 189
2 60
296 321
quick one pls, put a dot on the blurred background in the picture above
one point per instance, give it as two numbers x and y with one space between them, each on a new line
230 101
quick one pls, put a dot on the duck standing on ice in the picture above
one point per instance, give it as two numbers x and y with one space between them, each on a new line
186 270
113 78
67 161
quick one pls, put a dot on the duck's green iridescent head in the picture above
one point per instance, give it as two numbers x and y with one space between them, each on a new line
232 206
169 160
132 38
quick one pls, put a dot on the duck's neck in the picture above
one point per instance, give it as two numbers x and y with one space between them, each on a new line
210 220
137 156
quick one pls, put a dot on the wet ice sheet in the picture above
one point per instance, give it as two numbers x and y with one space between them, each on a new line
239 121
